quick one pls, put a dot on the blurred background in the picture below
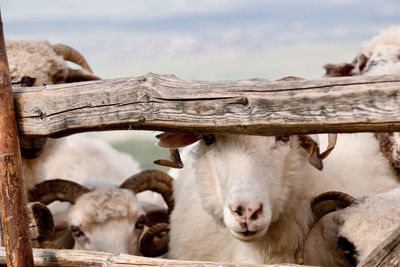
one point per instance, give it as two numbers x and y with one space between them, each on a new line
202 40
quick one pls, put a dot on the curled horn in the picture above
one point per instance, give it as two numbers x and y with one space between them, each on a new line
149 246
329 202
71 54
153 180
57 189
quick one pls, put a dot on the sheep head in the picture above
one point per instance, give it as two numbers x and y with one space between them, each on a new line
355 227
379 56
113 219
241 179
46 63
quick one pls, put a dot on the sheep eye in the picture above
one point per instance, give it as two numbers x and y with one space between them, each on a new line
140 222
76 231
282 138
209 139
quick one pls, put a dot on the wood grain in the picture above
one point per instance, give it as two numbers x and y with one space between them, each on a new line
12 197
386 254
255 106
52 257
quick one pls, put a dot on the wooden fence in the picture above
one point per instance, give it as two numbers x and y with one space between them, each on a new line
164 102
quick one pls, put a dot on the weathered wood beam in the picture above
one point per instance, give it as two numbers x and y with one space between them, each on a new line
12 194
157 102
386 254
51 257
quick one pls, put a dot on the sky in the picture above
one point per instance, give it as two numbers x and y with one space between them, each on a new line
201 39
204 40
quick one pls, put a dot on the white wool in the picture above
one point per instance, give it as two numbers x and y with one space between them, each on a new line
107 216
369 222
198 231
103 204
388 37
85 160
365 224
36 59
360 222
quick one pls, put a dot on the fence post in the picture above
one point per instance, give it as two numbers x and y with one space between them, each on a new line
12 196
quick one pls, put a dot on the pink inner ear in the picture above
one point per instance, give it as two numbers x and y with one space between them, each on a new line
177 140
315 160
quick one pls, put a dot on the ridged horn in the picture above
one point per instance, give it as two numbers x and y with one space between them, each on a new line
154 242
71 54
153 180
57 189
80 75
329 202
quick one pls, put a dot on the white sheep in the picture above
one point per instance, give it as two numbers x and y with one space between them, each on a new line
111 218
379 56
77 158
245 199
349 229
47 64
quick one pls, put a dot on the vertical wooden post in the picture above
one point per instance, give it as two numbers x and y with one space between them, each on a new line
12 195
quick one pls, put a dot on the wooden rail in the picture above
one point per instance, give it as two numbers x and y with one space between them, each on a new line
51 257
386 254
163 102
12 195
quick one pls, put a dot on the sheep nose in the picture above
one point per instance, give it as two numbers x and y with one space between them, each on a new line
249 212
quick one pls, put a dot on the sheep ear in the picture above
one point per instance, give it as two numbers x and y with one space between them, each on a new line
177 140
311 145
338 70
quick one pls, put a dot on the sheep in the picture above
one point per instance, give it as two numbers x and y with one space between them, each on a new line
245 199
75 157
110 218
350 228
46 64
379 56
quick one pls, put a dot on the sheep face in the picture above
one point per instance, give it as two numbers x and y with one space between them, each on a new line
242 180
106 213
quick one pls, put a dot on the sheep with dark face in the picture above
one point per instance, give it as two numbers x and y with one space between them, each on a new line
245 199
349 229
111 218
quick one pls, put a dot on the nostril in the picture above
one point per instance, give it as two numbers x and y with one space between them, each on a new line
254 213
238 210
